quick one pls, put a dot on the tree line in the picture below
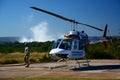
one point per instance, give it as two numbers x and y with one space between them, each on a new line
11 47
95 51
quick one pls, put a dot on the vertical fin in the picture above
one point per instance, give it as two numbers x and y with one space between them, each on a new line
105 31
105 36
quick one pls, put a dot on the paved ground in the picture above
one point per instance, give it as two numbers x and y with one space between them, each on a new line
97 69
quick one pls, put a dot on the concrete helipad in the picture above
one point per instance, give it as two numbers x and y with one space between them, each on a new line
97 69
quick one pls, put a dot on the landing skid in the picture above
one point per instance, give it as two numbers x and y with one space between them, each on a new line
82 62
77 64
55 65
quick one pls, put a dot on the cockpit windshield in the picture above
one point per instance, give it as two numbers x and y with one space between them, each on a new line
63 44
56 43
66 44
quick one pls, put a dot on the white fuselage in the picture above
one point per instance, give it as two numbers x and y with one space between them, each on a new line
72 48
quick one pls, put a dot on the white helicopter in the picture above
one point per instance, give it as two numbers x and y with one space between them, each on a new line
74 44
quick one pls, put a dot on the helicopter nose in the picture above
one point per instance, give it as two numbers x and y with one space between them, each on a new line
55 51
59 51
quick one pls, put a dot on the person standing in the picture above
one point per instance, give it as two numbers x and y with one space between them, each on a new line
27 54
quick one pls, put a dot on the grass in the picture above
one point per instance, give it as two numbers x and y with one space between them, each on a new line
62 79
18 57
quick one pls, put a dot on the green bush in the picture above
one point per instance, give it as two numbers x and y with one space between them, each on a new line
97 51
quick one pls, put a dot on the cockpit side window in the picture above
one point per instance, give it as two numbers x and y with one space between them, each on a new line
75 45
80 45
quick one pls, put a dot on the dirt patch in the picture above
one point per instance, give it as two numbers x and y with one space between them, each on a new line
97 69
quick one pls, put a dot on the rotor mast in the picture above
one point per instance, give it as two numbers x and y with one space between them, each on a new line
66 19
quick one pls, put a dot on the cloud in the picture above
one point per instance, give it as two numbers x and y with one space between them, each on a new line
39 33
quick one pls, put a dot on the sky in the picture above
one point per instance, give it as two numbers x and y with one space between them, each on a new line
17 19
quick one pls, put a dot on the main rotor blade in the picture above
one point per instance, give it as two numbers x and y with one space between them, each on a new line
56 15
91 26
64 18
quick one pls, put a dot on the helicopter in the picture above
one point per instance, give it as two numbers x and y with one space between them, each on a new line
74 44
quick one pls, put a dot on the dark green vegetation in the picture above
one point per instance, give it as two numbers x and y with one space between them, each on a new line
11 47
95 51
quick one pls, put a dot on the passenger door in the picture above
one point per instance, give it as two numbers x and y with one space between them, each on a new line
76 52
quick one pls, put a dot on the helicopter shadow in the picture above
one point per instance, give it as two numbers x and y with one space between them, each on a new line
100 67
